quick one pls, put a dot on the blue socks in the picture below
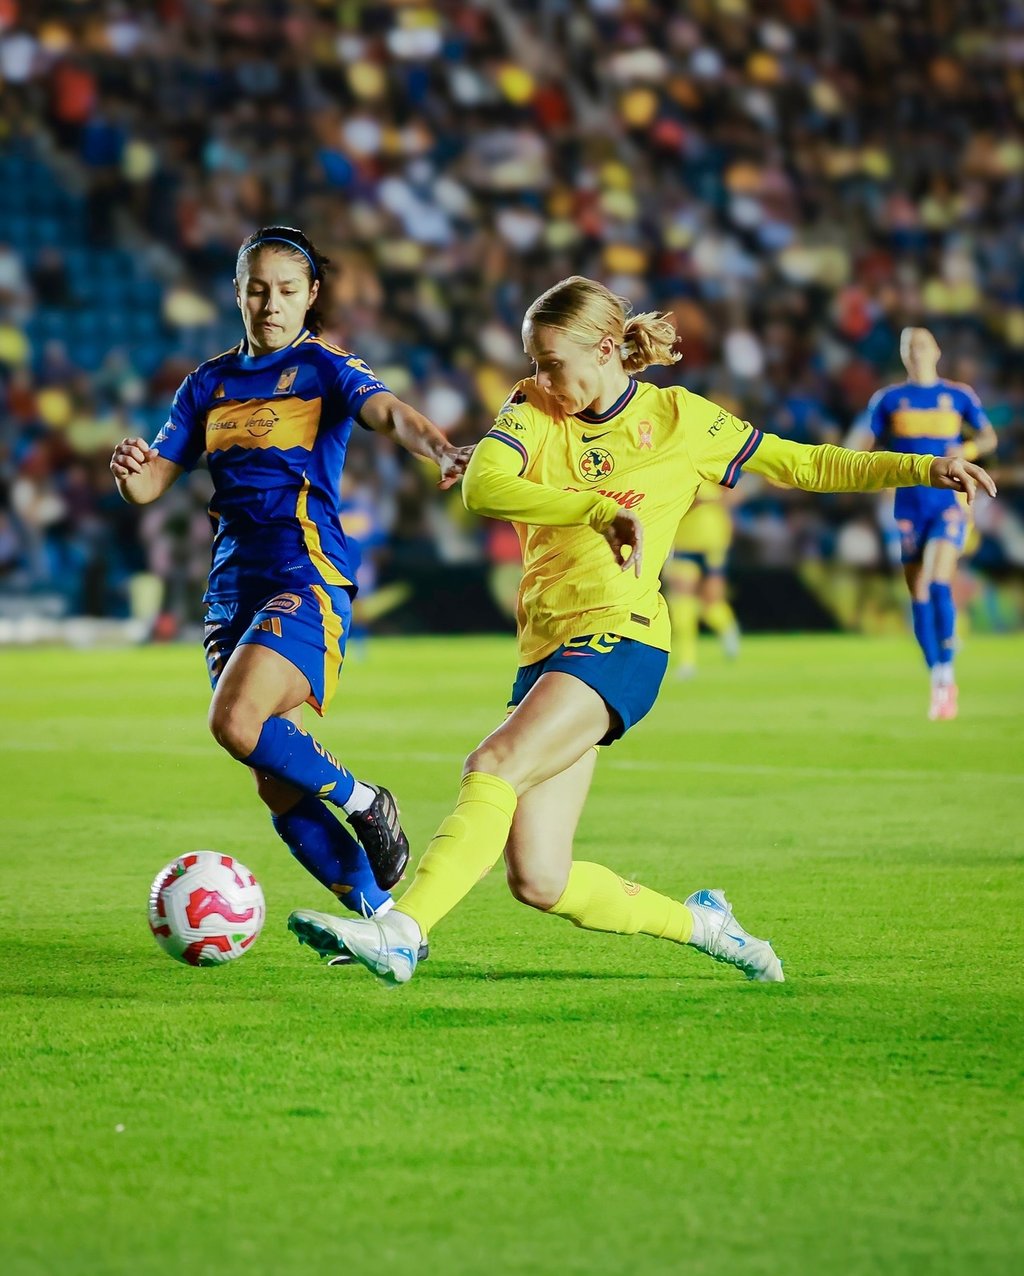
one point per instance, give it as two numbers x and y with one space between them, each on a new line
325 848
935 626
287 753
925 632
945 620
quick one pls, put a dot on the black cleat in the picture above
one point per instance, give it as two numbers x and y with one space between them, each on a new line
380 835
346 958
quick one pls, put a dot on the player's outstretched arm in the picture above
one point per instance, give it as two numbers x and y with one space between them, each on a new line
388 415
140 472
828 468
494 488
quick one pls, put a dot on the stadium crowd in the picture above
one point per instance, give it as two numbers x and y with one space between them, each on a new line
794 181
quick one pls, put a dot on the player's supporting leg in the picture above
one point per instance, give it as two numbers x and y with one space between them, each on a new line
717 613
683 581
555 725
940 562
257 688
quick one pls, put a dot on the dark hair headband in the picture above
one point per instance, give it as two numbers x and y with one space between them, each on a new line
280 239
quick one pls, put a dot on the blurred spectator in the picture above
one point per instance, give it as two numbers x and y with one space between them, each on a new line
793 181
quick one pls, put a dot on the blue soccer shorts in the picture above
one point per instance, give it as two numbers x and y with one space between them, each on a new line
948 524
626 674
307 624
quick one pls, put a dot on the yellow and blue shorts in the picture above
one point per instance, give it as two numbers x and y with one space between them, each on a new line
626 674
307 624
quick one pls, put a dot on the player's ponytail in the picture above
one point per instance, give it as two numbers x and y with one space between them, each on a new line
587 311
648 339
294 243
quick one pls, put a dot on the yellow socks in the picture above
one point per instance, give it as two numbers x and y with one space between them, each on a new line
719 617
467 844
598 899
684 611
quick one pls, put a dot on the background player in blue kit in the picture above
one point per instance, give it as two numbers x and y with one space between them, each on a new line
274 417
926 413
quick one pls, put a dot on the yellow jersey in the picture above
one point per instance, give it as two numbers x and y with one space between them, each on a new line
560 480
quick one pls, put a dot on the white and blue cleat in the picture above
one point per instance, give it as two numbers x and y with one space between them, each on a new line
388 946
717 933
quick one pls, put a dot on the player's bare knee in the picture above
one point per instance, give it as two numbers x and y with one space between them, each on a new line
538 890
492 759
235 727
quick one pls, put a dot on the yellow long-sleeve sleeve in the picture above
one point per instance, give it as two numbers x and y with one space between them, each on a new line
493 487
828 468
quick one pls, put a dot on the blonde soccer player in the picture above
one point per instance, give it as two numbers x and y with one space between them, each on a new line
595 470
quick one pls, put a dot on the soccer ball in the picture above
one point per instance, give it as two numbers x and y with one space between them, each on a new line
205 908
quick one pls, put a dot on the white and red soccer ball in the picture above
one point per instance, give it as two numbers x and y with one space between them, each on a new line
205 908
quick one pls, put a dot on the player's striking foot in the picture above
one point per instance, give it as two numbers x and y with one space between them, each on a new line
950 708
381 836
346 958
717 933
388 947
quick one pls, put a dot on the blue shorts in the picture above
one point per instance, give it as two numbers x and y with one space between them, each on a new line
626 674
919 526
307 625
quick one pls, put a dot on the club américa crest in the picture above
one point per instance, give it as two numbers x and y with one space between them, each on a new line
596 464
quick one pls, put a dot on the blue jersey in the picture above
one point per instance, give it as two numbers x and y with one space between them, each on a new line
924 419
275 429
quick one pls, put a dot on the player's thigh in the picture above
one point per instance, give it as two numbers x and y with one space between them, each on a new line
940 559
917 580
556 723
261 680
713 588
682 576
538 854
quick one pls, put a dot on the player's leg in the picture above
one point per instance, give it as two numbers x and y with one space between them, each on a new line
283 659
716 611
543 874
682 583
558 721
321 843
941 558
915 572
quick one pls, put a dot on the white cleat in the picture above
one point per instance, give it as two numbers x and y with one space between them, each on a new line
717 933
387 946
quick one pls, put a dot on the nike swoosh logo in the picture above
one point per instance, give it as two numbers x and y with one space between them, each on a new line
590 438
742 942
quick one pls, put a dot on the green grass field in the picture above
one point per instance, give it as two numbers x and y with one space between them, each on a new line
539 1100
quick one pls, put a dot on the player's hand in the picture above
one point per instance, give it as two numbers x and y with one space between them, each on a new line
958 475
453 464
130 456
626 532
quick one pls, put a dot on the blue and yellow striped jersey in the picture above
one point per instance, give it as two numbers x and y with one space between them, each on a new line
925 418
275 429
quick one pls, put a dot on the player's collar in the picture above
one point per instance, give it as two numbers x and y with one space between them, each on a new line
267 360
598 418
